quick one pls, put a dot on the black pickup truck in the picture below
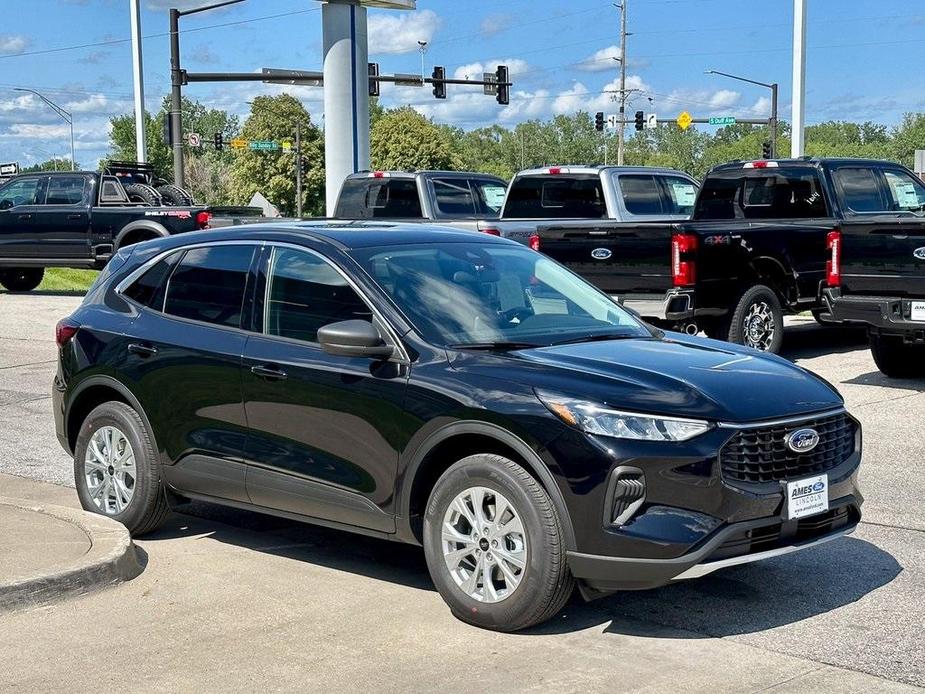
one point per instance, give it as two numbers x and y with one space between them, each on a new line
758 245
876 272
76 219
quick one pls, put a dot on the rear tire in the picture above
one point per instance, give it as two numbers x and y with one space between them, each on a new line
22 279
116 470
502 595
142 192
897 359
758 320
175 196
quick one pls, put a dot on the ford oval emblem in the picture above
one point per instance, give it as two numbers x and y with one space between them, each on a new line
919 253
803 440
605 253
819 486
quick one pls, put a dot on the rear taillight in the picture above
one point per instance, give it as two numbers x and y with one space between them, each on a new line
203 218
833 264
491 231
683 270
535 242
64 331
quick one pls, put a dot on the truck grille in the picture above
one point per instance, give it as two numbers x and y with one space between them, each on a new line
759 456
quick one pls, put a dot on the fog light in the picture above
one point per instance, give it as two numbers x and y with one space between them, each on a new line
626 493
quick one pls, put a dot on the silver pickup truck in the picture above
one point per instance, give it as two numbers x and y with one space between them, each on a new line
567 195
451 198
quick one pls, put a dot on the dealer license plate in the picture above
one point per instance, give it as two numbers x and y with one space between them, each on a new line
807 497
918 310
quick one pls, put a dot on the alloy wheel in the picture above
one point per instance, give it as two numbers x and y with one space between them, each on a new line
758 326
109 468
484 544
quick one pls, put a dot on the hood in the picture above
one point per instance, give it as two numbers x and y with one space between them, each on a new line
677 375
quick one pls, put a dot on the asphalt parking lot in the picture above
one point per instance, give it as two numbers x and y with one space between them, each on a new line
235 601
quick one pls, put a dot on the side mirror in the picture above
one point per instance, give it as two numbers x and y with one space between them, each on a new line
354 338
6 204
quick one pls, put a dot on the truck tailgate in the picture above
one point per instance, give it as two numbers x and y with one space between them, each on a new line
620 258
883 258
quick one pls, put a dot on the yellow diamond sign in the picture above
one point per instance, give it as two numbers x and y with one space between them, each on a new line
239 143
684 120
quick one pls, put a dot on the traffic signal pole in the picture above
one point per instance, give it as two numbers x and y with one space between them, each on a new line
176 100
298 170
621 135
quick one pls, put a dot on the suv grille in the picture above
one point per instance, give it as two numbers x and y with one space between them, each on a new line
759 456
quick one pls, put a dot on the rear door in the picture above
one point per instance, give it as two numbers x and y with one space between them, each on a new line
62 223
19 200
653 196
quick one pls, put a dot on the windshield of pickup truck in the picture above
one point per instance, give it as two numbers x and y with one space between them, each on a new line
772 193
482 296
556 197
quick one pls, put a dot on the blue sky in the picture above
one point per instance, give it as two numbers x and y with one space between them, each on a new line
861 61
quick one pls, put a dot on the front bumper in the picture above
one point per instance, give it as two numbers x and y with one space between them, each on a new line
888 315
734 544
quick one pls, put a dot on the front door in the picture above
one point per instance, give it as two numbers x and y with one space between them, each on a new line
18 206
62 225
324 430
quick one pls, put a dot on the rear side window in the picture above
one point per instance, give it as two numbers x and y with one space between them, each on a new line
860 189
304 294
148 290
907 193
682 195
768 194
557 197
453 197
66 190
379 198
489 195
208 285
641 195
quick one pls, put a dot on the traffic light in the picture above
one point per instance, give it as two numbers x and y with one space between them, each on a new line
504 89
599 121
640 118
219 141
438 76
167 132
374 79
766 150
303 165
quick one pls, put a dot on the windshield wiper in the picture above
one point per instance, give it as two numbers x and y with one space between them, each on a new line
595 338
499 345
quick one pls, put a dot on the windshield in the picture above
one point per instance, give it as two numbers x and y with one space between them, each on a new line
465 294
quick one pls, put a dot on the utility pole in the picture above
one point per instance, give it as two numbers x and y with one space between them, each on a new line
176 100
799 78
298 169
620 129
138 73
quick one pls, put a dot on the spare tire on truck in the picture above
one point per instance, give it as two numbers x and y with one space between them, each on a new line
142 192
175 195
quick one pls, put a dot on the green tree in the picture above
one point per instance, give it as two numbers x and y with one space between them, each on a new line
273 173
54 164
403 139
907 137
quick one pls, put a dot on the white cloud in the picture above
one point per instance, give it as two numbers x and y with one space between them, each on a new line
13 44
39 131
701 102
724 98
395 33
601 61
495 24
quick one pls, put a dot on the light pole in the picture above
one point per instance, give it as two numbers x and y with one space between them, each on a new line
772 123
423 49
66 115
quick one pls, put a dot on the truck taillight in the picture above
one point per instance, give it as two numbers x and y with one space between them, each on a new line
535 242
64 331
203 219
683 271
833 264
491 231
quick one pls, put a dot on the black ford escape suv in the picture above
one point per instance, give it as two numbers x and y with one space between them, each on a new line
449 389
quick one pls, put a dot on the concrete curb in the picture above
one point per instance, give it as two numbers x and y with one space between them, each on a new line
111 559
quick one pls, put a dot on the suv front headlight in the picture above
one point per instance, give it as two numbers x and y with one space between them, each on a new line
596 419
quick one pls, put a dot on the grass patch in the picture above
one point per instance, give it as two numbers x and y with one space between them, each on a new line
62 279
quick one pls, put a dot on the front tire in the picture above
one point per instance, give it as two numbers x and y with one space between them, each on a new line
897 359
757 320
493 543
116 471
22 279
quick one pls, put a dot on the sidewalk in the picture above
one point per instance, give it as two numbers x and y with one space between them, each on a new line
49 552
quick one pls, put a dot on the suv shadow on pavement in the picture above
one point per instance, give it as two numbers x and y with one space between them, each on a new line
875 378
739 600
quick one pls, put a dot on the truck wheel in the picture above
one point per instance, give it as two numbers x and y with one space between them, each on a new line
175 196
757 320
142 192
494 546
897 359
22 279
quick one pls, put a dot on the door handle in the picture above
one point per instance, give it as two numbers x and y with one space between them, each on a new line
75 216
25 217
142 350
268 372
